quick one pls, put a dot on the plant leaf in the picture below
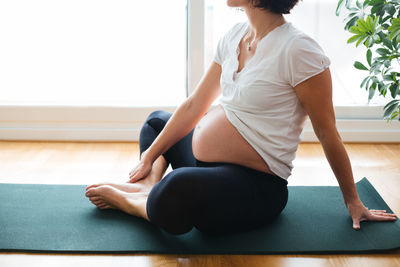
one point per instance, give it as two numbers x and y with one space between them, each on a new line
348 3
382 51
371 91
369 57
394 89
393 102
364 81
351 22
339 7
389 110
360 66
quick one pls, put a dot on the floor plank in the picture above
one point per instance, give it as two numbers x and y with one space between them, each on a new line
86 163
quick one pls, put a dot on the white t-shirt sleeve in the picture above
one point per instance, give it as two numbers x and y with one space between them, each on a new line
224 42
305 58
218 55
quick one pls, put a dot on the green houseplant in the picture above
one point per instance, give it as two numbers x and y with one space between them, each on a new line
376 24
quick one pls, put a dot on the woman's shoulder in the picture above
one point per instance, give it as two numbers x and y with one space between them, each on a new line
297 39
239 25
236 29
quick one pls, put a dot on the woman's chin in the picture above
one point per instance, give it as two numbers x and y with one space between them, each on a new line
236 3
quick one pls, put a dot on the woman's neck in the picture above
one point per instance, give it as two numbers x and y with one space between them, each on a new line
262 21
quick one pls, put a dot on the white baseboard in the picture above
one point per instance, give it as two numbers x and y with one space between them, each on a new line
79 123
360 131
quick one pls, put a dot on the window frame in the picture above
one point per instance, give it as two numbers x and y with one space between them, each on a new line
122 123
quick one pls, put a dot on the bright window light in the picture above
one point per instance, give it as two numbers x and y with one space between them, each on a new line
92 52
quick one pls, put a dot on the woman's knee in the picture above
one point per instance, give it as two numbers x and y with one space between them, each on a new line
157 119
152 127
167 204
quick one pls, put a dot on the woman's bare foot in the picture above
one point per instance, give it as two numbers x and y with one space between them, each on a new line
143 185
126 187
108 197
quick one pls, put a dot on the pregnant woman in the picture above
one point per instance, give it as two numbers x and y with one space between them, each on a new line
231 162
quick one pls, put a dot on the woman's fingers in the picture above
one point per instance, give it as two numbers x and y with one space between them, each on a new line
380 215
141 172
378 212
137 171
135 174
132 173
373 215
377 217
134 178
383 214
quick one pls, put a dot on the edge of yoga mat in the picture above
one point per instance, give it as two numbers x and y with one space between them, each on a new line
362 185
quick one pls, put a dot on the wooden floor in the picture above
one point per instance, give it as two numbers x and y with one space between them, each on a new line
86 163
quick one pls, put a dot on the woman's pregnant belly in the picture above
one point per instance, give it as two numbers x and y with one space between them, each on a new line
215 139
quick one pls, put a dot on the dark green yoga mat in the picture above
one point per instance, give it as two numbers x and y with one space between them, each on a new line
59 218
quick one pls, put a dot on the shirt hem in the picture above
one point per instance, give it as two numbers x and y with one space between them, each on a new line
271 166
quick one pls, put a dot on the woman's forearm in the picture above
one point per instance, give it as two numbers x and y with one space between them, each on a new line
188 114
339 161
183 120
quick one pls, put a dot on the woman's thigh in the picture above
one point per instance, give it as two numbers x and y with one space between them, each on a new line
216 200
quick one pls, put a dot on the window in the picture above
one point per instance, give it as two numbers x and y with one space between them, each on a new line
92 52
94 69
316 18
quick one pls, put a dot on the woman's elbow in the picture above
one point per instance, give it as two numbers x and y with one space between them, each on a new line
327 133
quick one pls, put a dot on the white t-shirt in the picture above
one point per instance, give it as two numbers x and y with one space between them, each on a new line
260 100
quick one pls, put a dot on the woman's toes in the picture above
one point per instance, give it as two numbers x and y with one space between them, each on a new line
105 206
96 185
94 191
94 198
101 205
98 202
89 193
92 186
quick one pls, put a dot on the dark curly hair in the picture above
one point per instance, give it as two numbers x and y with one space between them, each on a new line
275 6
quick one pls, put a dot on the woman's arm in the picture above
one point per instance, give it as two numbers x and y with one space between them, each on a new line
316 96
184 119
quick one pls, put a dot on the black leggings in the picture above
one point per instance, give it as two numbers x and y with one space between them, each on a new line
216 198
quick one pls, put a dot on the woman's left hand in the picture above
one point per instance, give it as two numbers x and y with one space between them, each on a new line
359 213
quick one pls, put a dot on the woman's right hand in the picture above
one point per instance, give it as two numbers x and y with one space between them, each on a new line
141 170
